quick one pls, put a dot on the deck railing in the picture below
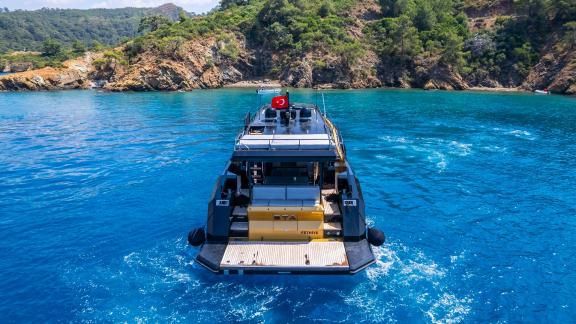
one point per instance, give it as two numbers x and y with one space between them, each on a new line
243 144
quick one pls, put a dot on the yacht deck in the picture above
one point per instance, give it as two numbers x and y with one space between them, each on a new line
303 131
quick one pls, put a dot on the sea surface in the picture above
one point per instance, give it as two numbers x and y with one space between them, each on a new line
475 191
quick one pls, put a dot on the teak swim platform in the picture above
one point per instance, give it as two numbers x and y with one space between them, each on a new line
287 201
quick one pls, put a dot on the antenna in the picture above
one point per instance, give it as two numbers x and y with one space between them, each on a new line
324 104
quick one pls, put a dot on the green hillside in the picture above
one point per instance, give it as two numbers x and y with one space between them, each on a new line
430 44
408 36
27 30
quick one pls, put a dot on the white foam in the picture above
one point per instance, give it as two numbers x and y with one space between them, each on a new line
384 260
435 150
395 139
494 149
414 278
519 133
440 160
460 149
449 309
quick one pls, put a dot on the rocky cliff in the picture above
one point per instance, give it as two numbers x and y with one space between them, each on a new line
75 74
194 65
556 71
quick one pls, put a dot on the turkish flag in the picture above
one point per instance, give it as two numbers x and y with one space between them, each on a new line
280 102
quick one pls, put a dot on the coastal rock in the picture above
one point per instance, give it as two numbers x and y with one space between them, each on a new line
73 75
326 70
438 77
37 79
148 77
44 79
18 67
196 64
104 73
363 72
393 75
555 71
298 75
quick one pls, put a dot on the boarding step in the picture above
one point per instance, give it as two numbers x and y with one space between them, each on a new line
239 213
239 229
332 229
331 208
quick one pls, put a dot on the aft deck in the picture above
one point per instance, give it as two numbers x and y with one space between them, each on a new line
313 257
296 255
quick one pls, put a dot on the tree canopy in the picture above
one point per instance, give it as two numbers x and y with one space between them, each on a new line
27 30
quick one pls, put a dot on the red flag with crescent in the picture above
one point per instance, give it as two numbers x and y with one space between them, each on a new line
280 102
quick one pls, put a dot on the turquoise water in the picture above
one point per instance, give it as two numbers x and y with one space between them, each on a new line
476 192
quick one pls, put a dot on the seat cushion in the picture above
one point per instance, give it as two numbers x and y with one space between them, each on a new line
260 203
303 193
269 193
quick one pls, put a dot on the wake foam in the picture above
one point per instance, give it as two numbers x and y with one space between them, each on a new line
162 284
402 276
437 151
519 133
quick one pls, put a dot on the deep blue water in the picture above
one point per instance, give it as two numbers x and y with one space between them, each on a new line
476 192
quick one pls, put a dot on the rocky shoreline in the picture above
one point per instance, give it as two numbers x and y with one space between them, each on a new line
46 80
50 80
200 68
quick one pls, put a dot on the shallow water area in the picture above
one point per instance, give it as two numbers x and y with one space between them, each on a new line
475 191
